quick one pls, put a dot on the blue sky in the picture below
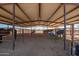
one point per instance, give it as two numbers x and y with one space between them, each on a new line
36 27
3 25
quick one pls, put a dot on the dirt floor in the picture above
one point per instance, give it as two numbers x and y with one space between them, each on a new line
33 45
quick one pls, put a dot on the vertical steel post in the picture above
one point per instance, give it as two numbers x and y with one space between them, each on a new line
47 31
23 35
72 39
30 31
64 26
7 26
13 47
20 33
55 31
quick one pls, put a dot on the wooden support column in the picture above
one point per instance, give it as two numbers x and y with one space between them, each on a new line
64 26
14 39
72 39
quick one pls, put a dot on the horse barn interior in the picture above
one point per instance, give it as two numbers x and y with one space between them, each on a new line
39 29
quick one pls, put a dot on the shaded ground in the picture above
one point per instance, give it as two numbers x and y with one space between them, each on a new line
35 45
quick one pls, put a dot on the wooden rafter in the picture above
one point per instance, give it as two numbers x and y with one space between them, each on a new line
5 21
7 18
23 11
74 21
77 4
2 4
11 13
66 13
66 22
39 5
68 19
8 22
35 21
55 12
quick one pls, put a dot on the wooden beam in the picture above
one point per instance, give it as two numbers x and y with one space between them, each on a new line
11 13
23 11
36 21
76 4
1 22
39 5
2 4
69 23
55 12
69 19
66 13
55 22
72 17
69 12
6 21
74 21
7 18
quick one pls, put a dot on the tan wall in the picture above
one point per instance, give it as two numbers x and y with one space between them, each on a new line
76 34
25 31
40 32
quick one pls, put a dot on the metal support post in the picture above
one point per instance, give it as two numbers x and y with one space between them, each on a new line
64 26
14 39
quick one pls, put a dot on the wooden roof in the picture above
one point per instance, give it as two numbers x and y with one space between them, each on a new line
27 14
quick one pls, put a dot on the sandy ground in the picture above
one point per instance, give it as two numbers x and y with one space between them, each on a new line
35 45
